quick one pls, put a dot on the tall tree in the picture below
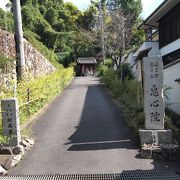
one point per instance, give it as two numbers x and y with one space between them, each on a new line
120 26
118 35
133 7
86 19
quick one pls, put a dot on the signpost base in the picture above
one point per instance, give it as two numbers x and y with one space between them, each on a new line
155 136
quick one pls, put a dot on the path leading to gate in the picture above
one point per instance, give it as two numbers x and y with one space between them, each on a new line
83 132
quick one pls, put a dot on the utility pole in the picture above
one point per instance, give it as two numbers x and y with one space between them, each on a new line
102 31
20 62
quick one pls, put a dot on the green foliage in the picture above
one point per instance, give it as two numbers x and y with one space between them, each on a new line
102 70
172 121
44 88
42 9
130 10
6 20
65 58
54 23
133 7
58 26
71 14
138 37
51 16
126 92
41 90
33 20
175 118
108 63
6 64
3 139
86 20
84 43
166 90
127 72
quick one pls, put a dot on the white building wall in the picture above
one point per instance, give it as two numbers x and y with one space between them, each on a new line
170 75
135 70
149 44
153 52
130 58
170 47
155 48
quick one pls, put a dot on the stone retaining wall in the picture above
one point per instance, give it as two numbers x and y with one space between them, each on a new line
35 63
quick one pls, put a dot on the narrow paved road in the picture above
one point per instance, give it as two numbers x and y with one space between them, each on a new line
83 132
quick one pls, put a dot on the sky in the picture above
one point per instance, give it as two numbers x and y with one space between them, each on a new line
3 3
148 5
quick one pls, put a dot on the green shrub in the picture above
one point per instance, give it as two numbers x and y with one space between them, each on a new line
6 20
102 69
127 93
172 121
127 72
6 64
108 63
41 91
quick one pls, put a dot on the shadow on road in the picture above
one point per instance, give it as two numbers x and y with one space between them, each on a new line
101 126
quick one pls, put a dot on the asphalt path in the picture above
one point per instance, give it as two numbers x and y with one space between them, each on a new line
82 132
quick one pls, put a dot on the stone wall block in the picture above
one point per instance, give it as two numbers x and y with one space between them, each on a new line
36 64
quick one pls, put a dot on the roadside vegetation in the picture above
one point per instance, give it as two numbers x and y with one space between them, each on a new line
35 94
126 92
62 33
6 64
58 29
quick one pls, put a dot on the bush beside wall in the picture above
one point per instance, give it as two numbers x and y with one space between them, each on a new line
41 91
126 92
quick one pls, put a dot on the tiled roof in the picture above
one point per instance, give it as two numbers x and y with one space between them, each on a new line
86 61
